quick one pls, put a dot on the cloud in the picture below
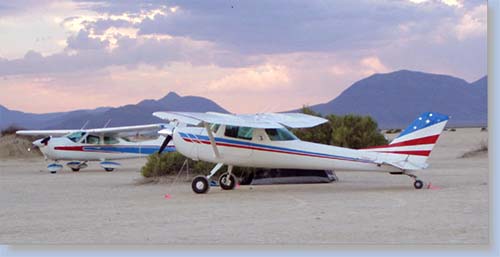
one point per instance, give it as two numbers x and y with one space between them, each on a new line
373 65
261 78
291 26
473 23
243 51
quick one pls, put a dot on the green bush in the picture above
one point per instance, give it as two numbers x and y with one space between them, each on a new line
350 131
10 130
171 163
393 131
163 164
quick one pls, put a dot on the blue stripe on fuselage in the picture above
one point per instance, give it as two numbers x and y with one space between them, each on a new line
264 147
128 149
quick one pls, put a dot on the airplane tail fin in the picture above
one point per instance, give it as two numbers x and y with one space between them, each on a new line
418 139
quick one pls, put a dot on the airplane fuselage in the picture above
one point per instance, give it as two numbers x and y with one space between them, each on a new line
62 148
262 152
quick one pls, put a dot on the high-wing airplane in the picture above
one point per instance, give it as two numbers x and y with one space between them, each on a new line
100 144
263 141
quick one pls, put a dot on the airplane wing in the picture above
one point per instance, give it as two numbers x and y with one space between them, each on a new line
117 130
261 120
58 132
291 120
113 130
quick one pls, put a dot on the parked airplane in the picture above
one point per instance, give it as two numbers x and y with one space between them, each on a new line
262 141
101 144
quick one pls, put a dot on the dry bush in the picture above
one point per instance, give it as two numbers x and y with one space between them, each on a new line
482 148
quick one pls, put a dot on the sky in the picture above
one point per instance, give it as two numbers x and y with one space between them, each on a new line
248 56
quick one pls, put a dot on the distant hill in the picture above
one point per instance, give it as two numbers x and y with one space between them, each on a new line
392 99
395 99
132 114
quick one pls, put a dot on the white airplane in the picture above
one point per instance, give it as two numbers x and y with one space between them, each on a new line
262 141
100 144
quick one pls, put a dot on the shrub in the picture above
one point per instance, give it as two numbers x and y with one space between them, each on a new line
10 130
482 148
163 164
171 163
350 131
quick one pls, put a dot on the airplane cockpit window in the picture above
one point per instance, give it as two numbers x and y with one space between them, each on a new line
280 134
214 127
109 140
239 132
94 140
75 136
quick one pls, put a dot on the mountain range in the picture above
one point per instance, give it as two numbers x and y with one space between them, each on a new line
397 98
392 99
132 114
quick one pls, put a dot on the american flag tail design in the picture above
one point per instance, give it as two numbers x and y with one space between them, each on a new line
418 139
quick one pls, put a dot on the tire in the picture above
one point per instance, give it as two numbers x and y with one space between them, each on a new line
109 169
200 185
247 178
224 184
75 170
418 184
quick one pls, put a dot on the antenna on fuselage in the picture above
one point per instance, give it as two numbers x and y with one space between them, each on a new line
84 125
107 123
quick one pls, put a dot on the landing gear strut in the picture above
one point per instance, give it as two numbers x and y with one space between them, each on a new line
227 181
418 184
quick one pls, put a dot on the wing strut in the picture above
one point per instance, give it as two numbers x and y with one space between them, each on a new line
212 140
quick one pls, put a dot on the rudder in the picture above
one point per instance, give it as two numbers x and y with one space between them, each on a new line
419 138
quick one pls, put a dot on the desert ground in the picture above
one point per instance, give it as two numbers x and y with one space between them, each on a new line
97 207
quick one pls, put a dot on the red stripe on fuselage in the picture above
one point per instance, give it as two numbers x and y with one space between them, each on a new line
417 141
420 153
273 150
69 148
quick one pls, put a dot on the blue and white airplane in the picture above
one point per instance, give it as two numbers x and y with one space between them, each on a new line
100 144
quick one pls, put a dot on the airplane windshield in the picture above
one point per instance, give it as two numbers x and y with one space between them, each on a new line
280 134
214 127
75 136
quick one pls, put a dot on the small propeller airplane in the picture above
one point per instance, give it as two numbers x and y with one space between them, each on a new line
100 144
263 141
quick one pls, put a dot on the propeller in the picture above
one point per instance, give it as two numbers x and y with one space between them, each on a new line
46 140
164 144
168 133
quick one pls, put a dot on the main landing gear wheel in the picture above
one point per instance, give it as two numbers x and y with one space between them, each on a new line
200 185
227 181
75 170
109 169
418 184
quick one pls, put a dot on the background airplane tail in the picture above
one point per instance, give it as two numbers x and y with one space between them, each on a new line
418 139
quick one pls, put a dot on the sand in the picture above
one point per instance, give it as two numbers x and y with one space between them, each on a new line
97 207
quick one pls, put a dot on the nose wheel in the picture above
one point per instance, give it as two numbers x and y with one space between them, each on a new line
227 181
200 185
